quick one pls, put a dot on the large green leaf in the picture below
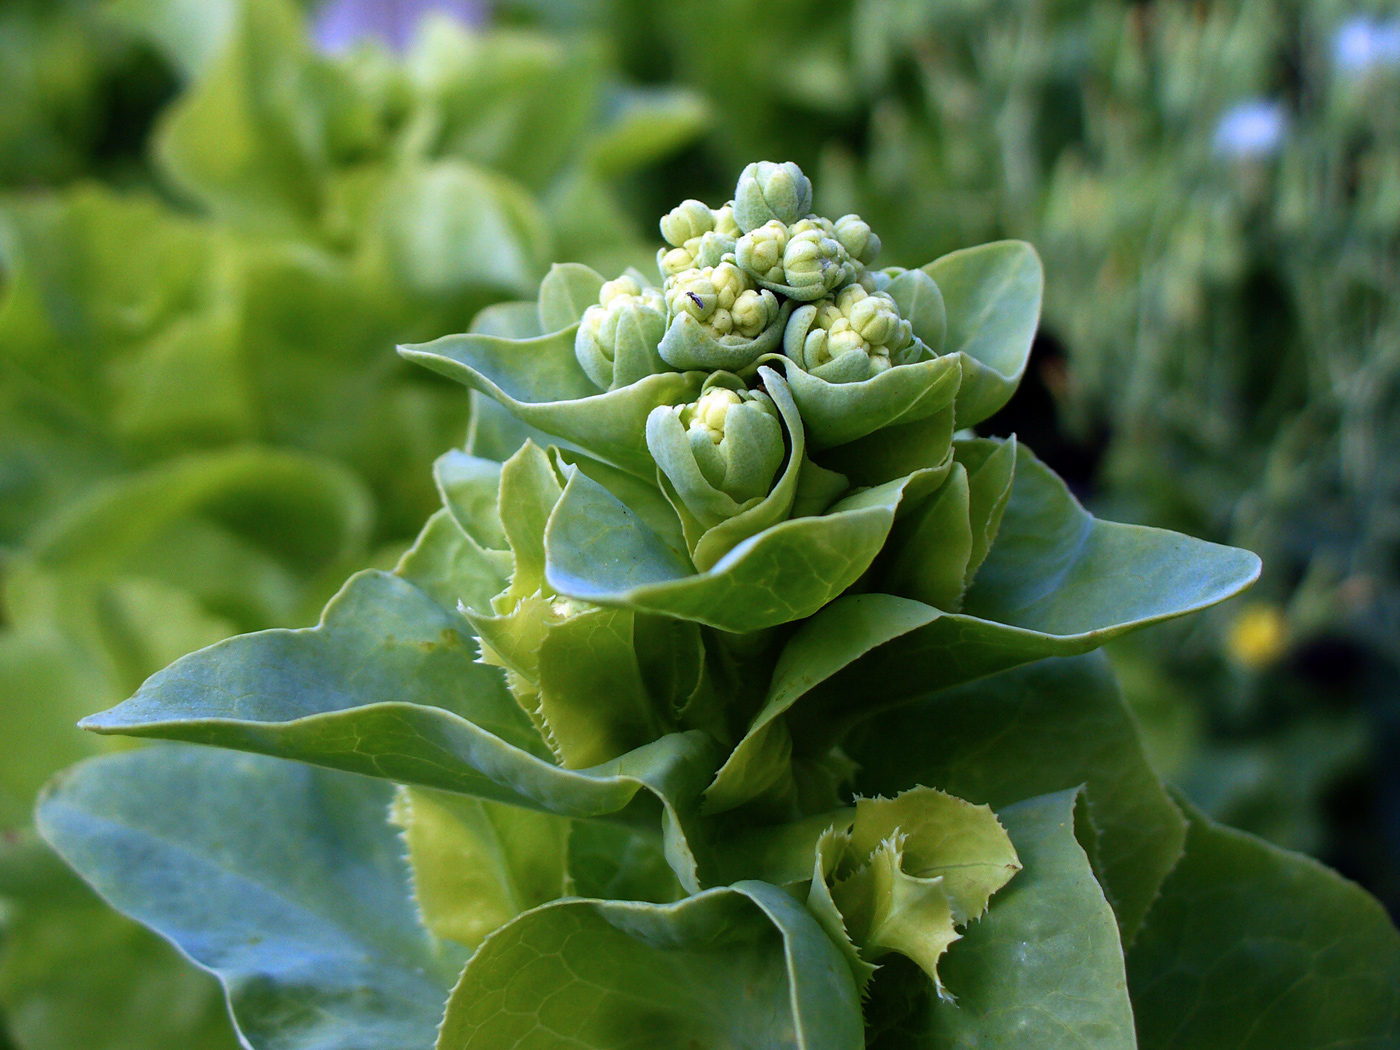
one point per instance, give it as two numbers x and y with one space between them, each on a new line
1029 731
542 384
285 881
75 973
1250 946
1057 582
1042 969
743 966
992 294
388 685
599 550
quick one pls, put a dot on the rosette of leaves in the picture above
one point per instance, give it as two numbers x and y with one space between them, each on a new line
680 725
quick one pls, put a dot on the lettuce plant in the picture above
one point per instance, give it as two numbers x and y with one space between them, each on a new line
738 695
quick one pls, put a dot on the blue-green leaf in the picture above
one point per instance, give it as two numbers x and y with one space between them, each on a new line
744 965
285 881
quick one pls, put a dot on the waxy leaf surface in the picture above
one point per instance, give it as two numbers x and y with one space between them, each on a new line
1034 730
1250 946
285 881
744 966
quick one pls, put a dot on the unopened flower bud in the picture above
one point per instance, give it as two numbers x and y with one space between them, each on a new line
857 238
760 252
618 337
720 451
687 220
814 264
849 339
771 191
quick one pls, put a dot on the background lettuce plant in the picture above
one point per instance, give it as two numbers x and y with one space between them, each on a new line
724 702
201 432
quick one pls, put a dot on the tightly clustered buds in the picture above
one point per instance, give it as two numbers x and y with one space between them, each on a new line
768 191
759 276
852 337
699 237
723 298
720 452
617 338
736 439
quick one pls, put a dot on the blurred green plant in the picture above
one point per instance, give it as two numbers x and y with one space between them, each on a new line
203 426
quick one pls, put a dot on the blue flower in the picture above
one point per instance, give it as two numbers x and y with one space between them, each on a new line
341 24
1251 129
1363 44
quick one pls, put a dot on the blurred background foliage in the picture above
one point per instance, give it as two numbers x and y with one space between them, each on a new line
218 216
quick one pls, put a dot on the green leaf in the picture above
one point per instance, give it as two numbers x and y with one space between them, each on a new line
839 413
470 488
992 293
529 489
886 909
920 303
1057 582
619 861
75 973
944 837
285 881
930 550
1250 946
449 228
515 320
388 685
991 469
592 696
447 566
1043 968
542 384
477 865
1033 730
598 550
833 638
565 293
744 965
896 451
248 139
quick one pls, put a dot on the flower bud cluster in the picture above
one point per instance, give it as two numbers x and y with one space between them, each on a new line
617 337
698 235
848 338
723 298
737 440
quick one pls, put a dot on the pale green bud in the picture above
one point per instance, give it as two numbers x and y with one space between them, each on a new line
760 252
725 224
692 292
688 220
814 263
617 339
677 260
857 238
771 191
753 311
720 452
